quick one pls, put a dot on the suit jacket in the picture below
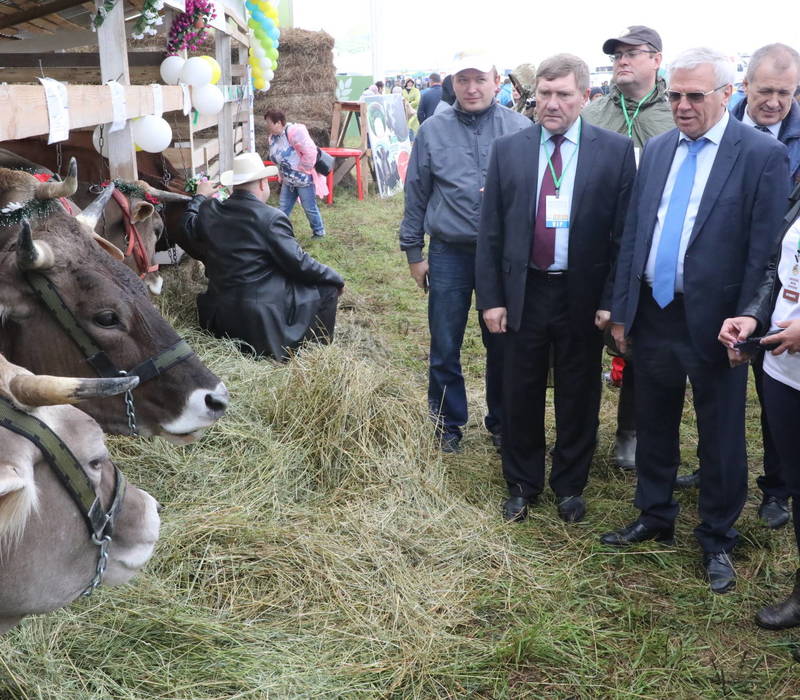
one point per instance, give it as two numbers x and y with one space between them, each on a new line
262 286
734 234
603 180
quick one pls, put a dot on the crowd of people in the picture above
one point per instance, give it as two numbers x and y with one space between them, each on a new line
650 220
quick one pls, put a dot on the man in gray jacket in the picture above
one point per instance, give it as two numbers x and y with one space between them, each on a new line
443 191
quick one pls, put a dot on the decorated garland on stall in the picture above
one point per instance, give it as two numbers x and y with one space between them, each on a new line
264 41
145 24
188 30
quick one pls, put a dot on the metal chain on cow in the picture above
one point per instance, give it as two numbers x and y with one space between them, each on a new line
59 156
98 359
69 471
130 412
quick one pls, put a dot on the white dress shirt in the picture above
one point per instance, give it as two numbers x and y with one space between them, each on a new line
705 161
569 165
774 129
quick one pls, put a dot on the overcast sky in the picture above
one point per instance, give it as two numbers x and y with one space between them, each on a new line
424 34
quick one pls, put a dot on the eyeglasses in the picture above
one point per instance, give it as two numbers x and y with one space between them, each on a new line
694 97
633 53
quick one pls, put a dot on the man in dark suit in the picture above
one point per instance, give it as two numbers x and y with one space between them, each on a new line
705 212
551 219
773 74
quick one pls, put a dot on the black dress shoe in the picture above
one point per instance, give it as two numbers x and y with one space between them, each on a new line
783 615
774 512
638 532
515 509
571 509
688 481
719 570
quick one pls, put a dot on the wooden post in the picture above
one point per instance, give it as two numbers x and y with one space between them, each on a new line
113 49
225 125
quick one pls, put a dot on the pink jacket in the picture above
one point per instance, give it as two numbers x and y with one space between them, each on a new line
303 144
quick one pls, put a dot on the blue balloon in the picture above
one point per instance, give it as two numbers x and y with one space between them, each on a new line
268 23
272 34
276 43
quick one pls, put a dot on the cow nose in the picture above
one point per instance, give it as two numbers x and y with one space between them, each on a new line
217 402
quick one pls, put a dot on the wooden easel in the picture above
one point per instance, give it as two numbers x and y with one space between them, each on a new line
339 131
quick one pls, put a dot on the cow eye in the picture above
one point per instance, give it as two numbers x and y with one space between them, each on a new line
106 319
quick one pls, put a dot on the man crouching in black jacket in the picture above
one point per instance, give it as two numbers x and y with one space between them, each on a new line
263 289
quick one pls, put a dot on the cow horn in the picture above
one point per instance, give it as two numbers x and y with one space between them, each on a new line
44 390
30 254
54 189
91 215
166 197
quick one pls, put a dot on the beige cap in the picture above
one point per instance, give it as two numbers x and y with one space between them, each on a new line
246 168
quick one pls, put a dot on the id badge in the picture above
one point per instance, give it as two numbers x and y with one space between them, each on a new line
556 212
790 292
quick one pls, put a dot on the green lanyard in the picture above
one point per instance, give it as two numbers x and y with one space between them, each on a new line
557 180
629 120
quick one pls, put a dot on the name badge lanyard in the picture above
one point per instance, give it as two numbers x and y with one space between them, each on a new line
790 291
558 180
629 120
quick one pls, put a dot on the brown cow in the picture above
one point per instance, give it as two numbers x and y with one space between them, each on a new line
47 554
110 304
135 207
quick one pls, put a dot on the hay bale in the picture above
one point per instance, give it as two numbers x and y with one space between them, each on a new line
304 86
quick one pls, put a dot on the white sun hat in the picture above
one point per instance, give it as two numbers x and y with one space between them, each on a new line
246 168
477 59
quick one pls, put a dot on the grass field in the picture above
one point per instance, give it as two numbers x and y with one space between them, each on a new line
315 544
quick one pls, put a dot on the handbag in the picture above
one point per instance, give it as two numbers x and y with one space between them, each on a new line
324 162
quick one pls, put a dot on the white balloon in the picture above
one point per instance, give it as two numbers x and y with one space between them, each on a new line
96 139
259 50
171 68
196 72
269 74
266 86
152 134
265 64
207 99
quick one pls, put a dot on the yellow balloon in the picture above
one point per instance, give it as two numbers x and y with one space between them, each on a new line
216 71
259 84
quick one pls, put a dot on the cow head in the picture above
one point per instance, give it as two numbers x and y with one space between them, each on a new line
112 306
48 557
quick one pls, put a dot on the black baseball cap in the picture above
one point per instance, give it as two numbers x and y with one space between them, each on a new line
637 34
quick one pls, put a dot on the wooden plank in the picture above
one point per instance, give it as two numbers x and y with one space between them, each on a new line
37 12
112 42
142 75
42 43
24 110
225 129
75 60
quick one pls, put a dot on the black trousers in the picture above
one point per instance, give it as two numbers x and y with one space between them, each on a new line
771 482
665 356
577 384
324 325
782 407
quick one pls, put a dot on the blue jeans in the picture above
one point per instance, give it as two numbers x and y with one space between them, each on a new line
308 199
451 272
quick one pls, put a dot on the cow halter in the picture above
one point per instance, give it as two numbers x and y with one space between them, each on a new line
136 246
94 354
69 471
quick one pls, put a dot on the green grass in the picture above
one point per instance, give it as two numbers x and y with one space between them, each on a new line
316 545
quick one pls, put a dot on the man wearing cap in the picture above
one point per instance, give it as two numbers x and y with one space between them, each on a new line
636 107
703 223
263 289
443 190
552 216
772 77
430 98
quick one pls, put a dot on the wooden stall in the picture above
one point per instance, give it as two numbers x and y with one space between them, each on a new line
50 39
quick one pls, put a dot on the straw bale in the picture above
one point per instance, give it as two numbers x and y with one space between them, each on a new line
304 86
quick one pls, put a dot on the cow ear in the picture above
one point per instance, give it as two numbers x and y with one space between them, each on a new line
141 210
10 481
17 499
108 246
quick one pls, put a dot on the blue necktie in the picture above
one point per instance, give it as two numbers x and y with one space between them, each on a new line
670 242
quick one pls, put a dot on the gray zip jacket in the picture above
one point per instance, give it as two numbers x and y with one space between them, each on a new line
446 173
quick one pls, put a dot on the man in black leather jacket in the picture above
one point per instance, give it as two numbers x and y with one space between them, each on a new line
263 289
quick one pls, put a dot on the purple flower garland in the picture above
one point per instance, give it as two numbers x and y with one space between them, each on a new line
185 32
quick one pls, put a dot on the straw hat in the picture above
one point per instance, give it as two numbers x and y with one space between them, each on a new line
246 168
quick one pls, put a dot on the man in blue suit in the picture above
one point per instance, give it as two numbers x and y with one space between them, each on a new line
552 216
703 221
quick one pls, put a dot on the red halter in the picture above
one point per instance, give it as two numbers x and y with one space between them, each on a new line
135 243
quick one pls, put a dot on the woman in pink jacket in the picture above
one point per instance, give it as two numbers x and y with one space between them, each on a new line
295 153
